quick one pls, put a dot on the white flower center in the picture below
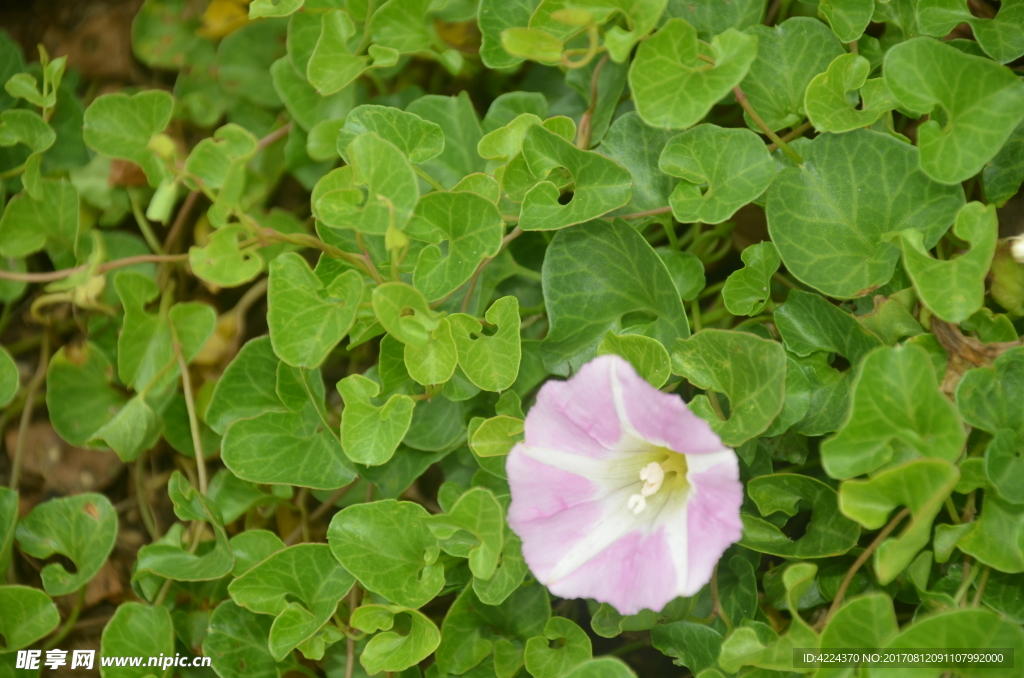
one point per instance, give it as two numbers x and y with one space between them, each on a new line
653 476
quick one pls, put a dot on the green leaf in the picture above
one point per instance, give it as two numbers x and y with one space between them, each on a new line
244 58
286 448
848 18
237 643
473 630
10 379
721 170
749 370
8 521
898 413
955 289
789 55
971 628
308 318
261 8
387 546
29 614
28 225
494 18
417 138
332 66
637 147
246 389
711 17
868 621
924 74
299 586
252 547
404 313
748 290
478 513
647 356
532 43
28 128
828 216
1002 36
544 661
601 277
507 578
391 651
220 262
82 528
174 562
828 101
829 533
399 24
80 395
692 645
687 271
136 630
921 486
601 185
124 126
496 436
1005 172
667 63
214 161
371 434
491 362
391 190
461 126
808 323
435 361
472 229
987 398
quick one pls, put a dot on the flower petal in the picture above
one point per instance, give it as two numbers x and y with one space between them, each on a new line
659 418
713 514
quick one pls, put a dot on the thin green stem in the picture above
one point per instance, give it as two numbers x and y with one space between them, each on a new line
144 225
13 172
970 574
103 268
741 99
980 590
434 183
70 622
26 414
716 603
145 510
193 422
321 413
695 313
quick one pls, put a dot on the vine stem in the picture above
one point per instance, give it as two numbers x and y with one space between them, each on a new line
861 559
794 133
26 412
276 135
741 99
103 268
320 510
145 510
193 422
641 215
179 220
980 591
583 136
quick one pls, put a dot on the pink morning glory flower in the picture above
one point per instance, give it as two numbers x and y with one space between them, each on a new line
619 492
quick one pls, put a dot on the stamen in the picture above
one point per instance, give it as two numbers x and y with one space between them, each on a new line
636 504
653 475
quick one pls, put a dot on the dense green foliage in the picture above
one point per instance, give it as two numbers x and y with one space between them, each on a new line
306 286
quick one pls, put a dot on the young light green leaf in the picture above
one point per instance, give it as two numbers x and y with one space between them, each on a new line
400 25
827 100
262 8
220 262
622 285
647 356
391 189
28 128
748 290
898 413
922 486
387 546
390 651
868 621
721 170
82 528
471 226
789 55
370 434
490 362
417 138
435 361
214 159
493 19
955 289
543 661
29 614
924 74
332 66
137 630
828 222
300 586
478 513
496 436
601 185
828 534
749 370
534 44
392 301
124 126
667 63
307 318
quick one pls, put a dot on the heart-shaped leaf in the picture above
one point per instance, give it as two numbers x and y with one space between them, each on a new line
371 434
748 290
391 651
490 362
828 102
220 262
123 126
